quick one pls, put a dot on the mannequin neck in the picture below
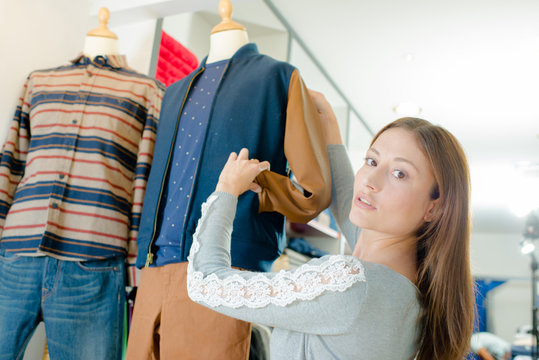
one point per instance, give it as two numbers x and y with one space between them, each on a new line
224 44
98 45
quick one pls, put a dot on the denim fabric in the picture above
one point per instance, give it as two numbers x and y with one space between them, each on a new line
81 304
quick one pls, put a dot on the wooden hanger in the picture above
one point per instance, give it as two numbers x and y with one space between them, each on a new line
102 30
225 10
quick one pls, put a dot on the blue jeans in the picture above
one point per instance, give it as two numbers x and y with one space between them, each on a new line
80 303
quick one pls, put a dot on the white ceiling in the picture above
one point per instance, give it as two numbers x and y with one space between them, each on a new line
471 65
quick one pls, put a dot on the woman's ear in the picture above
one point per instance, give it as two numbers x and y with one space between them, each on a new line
431 211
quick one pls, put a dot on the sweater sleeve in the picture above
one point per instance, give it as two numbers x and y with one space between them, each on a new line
14 152
342 188
315 298
144 163
304 148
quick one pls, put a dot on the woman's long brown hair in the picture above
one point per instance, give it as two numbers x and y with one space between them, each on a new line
444 276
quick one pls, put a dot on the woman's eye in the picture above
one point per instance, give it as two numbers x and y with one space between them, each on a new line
399 174
370 161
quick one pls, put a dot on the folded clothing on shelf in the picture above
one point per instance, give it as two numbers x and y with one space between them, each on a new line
301 246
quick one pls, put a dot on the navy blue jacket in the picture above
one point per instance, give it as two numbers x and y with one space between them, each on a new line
253 107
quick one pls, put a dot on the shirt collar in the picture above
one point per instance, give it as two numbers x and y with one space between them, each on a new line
113 61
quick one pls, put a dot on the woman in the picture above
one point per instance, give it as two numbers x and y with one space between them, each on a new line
405 292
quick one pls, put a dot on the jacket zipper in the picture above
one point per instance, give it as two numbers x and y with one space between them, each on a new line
150 255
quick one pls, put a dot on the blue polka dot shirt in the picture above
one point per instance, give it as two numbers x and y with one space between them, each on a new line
187 150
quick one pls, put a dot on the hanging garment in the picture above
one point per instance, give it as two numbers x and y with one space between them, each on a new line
178 187
175 60
263 105
74 166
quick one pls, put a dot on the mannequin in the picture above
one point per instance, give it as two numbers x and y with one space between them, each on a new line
101 41
235 98
113 111
227 36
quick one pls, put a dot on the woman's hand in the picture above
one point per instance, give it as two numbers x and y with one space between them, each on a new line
239 172
327 116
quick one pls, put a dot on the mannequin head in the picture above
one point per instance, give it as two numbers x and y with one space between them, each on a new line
227 36
101 41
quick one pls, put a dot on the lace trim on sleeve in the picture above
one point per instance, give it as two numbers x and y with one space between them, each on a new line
337 273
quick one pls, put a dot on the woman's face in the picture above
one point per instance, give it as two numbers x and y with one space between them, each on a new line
392 188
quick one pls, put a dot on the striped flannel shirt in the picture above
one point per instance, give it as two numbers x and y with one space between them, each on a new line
76 159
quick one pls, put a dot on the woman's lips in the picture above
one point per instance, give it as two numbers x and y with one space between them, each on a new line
363 202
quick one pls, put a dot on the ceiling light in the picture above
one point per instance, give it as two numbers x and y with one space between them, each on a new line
526 246
409 57
407 109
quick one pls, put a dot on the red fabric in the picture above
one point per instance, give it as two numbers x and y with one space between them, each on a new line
175 60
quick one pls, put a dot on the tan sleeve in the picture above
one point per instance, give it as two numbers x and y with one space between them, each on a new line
305 150
484 354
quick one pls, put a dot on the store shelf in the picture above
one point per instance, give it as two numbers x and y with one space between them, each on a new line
312 228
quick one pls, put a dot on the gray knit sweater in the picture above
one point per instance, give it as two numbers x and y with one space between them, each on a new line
334 307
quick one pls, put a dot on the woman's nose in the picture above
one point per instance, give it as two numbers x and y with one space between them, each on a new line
371 180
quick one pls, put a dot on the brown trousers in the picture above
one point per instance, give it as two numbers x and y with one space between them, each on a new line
168 325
